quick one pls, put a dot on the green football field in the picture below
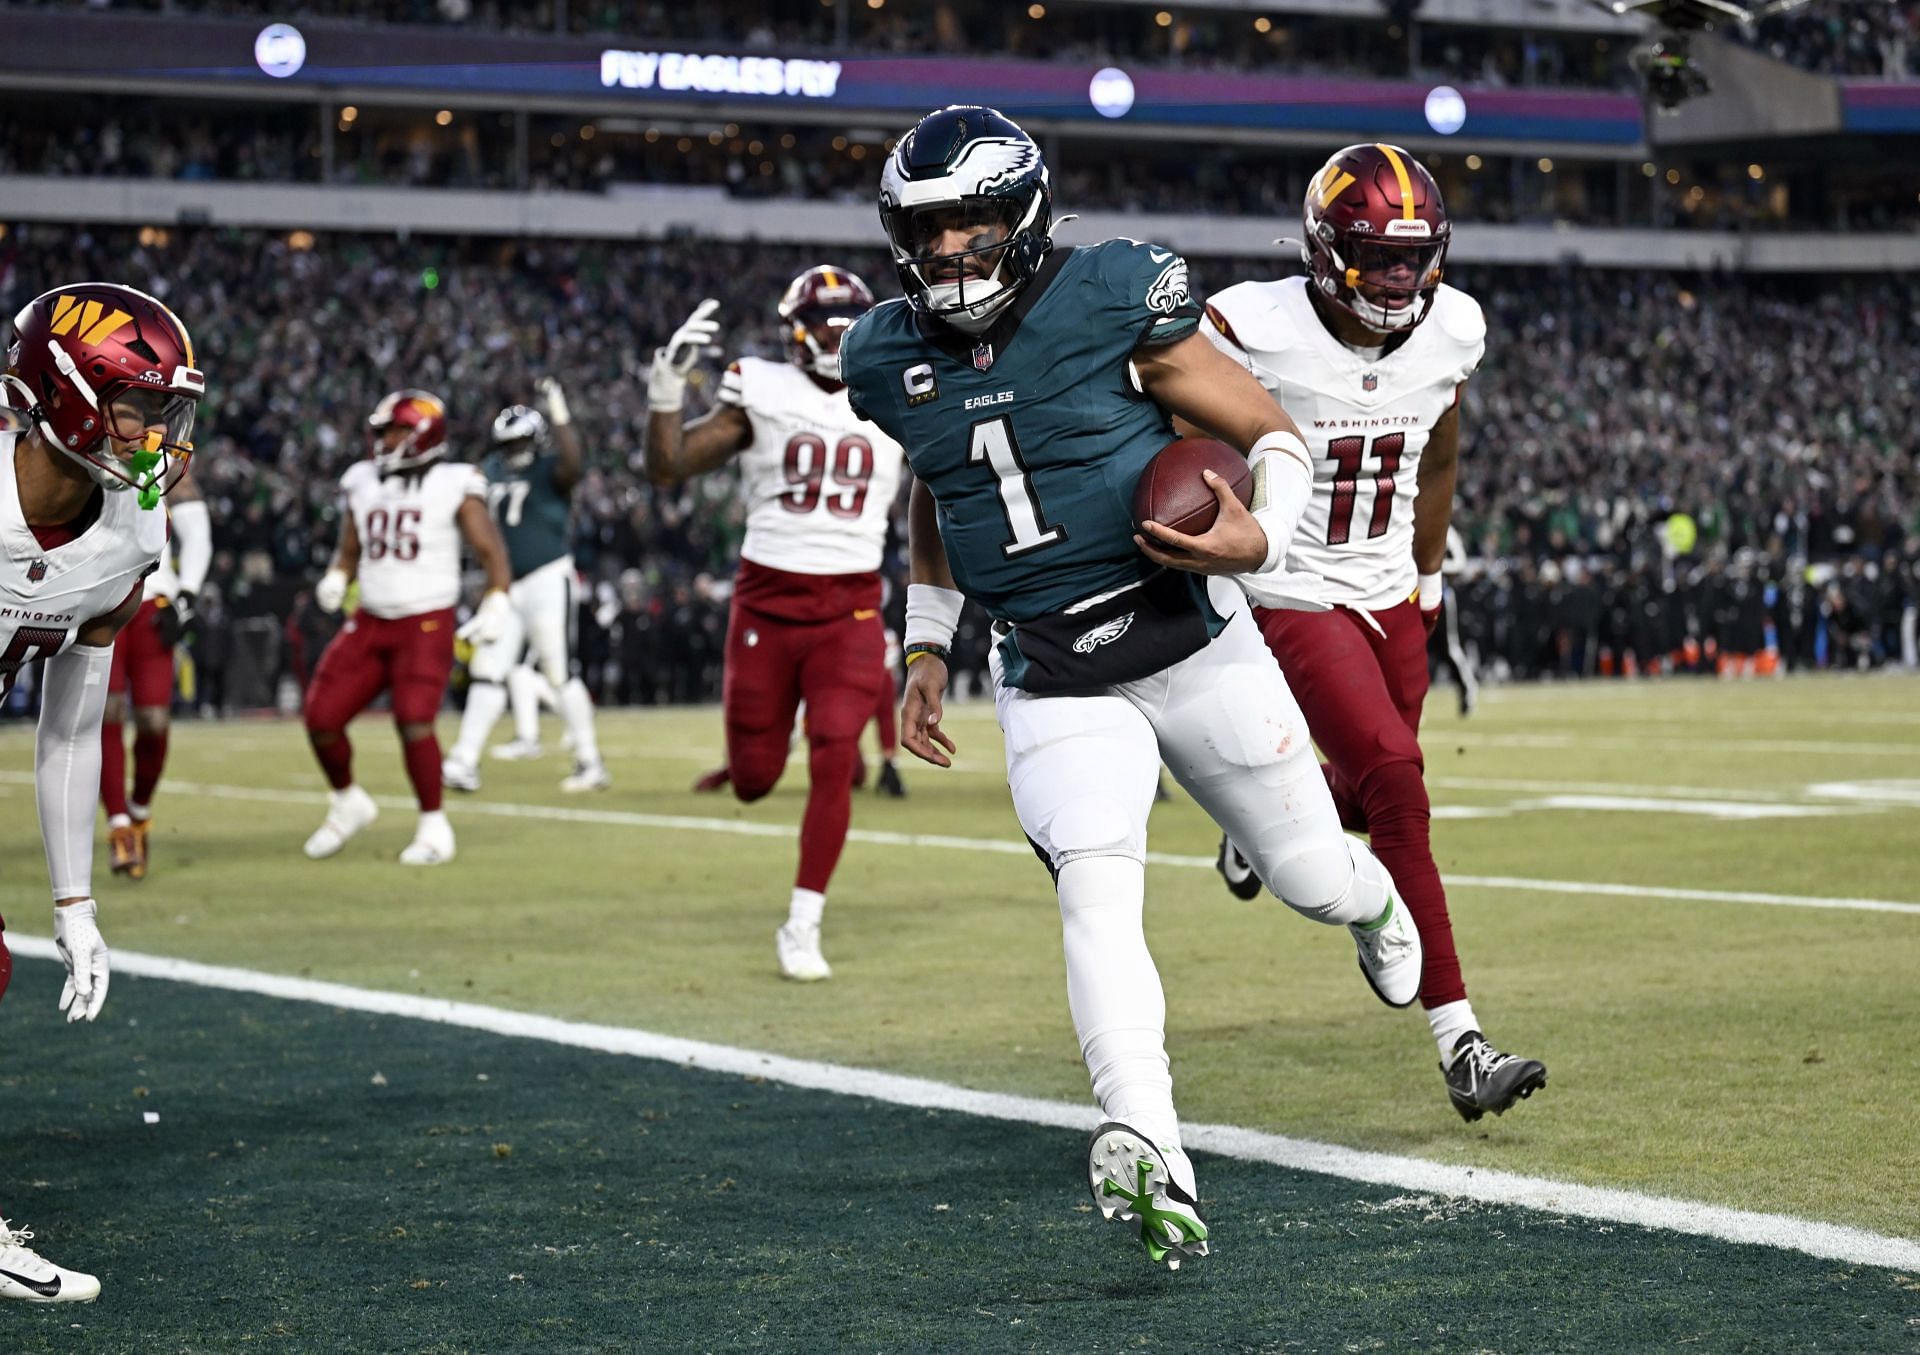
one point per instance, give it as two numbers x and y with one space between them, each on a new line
1699 903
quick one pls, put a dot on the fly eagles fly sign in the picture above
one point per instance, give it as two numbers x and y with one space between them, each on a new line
702 74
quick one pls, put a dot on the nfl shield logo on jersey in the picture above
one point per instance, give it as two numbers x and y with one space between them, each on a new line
1370 382
36 571
982 356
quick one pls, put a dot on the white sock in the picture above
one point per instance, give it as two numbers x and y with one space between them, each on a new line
523 689
434 819
576 708
140 813
806 908
119 821
1368 893
1113 990
1449 1022
486 701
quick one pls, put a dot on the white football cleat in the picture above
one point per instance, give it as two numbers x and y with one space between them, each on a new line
27 1275
1390 953
459 776
432 843
800 957
587 776
1133 1181
348 811
520 750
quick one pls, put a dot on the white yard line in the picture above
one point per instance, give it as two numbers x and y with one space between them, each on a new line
1853 1246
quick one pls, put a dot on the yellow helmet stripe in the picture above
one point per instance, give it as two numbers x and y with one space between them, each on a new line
1331 185
186 339
832 279
106 327
1400 173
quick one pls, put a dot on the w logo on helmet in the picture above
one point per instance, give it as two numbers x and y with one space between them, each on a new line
70 312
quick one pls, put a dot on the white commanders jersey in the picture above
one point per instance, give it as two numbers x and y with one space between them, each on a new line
409 539
1366 419
46 596
819 480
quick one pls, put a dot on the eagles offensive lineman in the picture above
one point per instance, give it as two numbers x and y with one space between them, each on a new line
531 473
95 420
1370 352
805 622
1030 385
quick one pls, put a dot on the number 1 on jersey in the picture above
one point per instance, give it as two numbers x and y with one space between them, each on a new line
991 442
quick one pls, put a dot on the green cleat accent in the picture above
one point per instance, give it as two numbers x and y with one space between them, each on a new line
1161 1230
1131 1182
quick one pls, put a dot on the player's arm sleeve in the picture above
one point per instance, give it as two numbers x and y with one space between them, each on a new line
1150 287
192 528
66 764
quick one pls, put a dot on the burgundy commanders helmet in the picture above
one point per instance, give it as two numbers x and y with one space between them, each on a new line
1377 236
819 306
98 359
423 417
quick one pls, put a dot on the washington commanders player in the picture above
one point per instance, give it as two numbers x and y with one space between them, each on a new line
143 668
805 623
403 514
1370 353
99 398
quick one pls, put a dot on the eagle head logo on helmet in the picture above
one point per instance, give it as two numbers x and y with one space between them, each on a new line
1377 236
519 435
968 211
819 307
106 374
407 431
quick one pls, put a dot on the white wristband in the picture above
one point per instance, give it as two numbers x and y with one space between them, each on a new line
1431 587
933 614
1282 488
666 388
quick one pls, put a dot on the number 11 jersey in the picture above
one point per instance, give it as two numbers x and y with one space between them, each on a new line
819 482
409 535
1366 417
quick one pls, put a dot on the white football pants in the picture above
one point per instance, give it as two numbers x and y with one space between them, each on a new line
1082 769
541 621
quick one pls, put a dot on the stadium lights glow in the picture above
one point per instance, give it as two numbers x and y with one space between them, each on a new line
684 71
349 113
1164 19
1111 92
1036 11
1446 110
444 117
1756 173
1473 162
1546 165
1263 24
279 50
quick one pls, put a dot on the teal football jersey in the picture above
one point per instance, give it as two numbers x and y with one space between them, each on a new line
535 518
1031 438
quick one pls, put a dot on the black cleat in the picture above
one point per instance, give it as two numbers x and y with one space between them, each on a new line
890 784
1482 1079
1236 870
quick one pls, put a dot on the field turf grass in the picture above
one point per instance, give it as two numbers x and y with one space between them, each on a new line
1759 1055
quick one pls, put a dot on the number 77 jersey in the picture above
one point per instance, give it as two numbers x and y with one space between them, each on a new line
819 481
1366 417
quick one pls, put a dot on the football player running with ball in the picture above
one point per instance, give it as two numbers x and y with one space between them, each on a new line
96 413
531 472
1031 384
805 623
1371 352
403 514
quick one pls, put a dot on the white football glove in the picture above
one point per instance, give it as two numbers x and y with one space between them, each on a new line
331 592
489 620
1289 592
76 931
667 383
555 400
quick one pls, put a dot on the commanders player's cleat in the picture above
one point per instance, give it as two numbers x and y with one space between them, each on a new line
432 843
348 811
1132 1181
717 779
456 775
1236 870
26 1274
1480 1078
142 828
1390 954
520 750
890 784
587 776
123 852
799 950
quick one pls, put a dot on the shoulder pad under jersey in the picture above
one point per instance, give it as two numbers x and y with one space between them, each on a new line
1253 316
1459 317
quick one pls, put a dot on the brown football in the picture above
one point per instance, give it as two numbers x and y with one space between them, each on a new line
1171 492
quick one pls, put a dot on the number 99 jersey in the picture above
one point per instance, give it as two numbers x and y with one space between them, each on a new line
409 534
1366 418
819 481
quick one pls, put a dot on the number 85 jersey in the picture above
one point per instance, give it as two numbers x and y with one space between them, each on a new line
1366 418
409 533
819 482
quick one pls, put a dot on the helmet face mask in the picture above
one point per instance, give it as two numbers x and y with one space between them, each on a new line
966 176
819 307
1376 237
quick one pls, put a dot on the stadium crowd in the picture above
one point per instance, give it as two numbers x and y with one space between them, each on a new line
1610 402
